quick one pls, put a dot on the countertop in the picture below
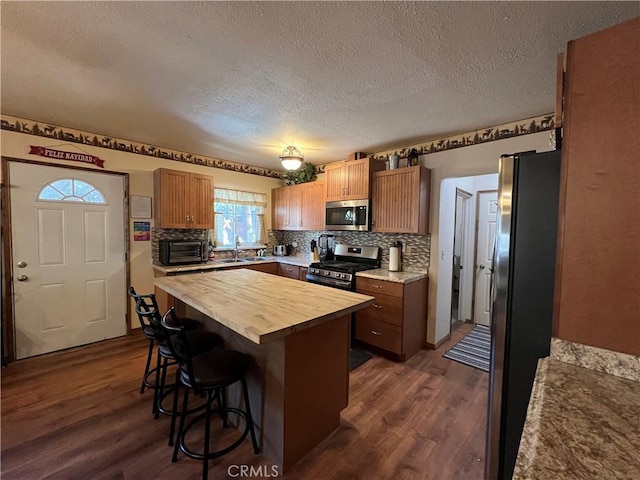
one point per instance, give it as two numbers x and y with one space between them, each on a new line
582 423
398 277
213 265
259 306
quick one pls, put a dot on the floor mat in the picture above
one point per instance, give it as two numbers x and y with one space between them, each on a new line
473 349
357 358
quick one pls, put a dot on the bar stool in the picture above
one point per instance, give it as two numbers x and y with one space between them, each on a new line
208 373
149 317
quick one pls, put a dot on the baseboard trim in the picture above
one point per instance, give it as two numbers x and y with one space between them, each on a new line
434 346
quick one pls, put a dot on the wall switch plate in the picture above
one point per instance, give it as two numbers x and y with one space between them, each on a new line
407 249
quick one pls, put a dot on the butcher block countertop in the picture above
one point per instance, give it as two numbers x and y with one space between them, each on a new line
259 306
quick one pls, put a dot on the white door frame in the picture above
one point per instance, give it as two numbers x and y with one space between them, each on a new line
466 197
8 324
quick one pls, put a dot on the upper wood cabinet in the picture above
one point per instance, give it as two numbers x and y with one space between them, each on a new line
350 180
298 207
400 200
598 259
182 199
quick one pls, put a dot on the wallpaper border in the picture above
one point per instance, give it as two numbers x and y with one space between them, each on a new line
47 130
526 126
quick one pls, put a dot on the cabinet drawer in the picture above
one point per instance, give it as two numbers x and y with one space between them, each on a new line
291 271
379 286
379 334
265 267
387 309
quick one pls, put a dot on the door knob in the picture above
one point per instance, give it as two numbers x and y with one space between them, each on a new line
481 266
22 264
22 278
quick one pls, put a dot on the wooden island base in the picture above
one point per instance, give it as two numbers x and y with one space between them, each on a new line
298 385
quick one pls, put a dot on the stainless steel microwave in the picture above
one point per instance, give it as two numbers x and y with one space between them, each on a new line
347 215
174 252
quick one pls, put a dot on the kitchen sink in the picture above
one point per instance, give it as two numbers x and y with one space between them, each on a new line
257 259
231 260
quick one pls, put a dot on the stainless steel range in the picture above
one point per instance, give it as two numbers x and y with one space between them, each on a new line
341 272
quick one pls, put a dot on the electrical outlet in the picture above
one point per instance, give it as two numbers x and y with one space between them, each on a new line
407 249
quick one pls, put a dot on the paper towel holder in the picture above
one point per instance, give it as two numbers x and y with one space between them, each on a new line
395 257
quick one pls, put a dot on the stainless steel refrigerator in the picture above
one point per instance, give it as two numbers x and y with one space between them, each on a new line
522 297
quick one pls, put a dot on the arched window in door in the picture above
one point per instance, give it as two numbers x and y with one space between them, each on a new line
71 190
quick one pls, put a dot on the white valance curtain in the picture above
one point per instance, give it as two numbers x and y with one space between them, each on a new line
239 215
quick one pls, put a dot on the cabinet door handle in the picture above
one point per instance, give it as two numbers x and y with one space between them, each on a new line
376 333
191 218
377 286
187 219
376 306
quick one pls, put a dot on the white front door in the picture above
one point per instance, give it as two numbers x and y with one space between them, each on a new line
487 217
69 262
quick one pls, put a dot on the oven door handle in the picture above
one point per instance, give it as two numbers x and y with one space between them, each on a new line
329 282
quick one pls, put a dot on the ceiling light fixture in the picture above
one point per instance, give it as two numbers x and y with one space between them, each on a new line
291 158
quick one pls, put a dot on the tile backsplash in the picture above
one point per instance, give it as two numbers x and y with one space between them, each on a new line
158 234
418 259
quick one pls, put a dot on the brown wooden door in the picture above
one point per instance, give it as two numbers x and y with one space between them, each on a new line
335 181
357 179
200 201
295 207
171 192
400 200
313 206
280 208
598 260
395 204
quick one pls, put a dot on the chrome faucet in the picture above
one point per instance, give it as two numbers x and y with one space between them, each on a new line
235 250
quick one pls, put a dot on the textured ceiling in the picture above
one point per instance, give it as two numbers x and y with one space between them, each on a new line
241 80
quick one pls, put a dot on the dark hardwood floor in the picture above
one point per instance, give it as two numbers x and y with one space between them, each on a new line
78 415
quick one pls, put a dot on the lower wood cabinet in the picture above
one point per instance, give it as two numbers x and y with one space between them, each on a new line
397 321
265 267
291 271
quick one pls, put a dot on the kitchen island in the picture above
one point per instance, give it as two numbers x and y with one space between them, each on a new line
298 336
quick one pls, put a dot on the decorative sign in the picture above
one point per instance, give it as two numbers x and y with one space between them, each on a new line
140 206
141 231
60 155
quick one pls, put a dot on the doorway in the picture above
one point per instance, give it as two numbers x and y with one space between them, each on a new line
445 302
68 257
460 240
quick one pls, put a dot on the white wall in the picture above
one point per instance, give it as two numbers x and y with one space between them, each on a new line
461 162
140 169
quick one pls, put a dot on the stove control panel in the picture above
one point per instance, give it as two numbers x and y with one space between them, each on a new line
330 274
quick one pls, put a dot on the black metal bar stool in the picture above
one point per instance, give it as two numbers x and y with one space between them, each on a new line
150 317
208 373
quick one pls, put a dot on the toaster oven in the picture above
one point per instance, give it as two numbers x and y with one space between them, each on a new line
174 252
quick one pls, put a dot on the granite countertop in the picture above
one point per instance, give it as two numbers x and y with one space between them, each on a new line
214 265
259 306
582 423
398 277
